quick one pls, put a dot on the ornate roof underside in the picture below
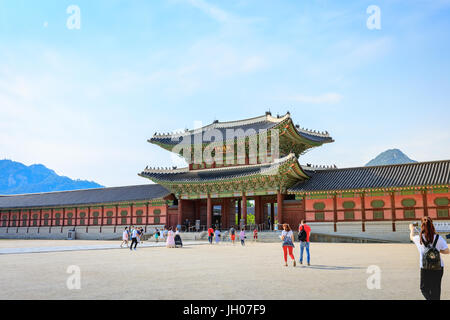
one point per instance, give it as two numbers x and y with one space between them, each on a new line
421 174
85 197
281 174
245 128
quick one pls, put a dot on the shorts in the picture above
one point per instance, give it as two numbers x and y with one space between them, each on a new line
233 237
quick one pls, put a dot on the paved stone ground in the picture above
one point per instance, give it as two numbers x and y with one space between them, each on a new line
76 246
256 271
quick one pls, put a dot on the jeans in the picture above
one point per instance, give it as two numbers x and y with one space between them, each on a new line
304 244
430 283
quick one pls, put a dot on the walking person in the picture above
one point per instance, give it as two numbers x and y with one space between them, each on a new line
177 238
157 235
141 236
287 236
170 243
303 236
255 234
125 236
217 235
134 240
242 236
210 234
232 234
430 246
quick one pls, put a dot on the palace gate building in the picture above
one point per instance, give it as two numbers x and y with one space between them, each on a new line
222 190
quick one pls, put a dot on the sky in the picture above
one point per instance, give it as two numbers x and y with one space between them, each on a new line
82 90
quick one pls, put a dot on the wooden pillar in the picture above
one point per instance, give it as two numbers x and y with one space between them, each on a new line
393 210
102 216
147 213
272 214
180 211
425 202
40 220
88 219
258 214
131 213
244 208
280 207
239 203
52 212
363 213
335 212
208 211
117 217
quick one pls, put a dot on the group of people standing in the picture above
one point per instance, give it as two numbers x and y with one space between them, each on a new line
136 235
172 238
287 238
215 234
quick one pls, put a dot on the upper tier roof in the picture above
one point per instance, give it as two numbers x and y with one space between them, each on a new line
84 197
377 177
213 174
249 127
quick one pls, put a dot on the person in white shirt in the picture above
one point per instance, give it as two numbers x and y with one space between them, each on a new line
134 235
124 237
431 264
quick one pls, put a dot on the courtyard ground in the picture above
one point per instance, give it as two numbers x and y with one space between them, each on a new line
203 271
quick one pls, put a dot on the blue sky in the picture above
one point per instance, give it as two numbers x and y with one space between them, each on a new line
84 102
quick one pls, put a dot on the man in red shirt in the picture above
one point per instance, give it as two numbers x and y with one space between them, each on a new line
303 234
210 234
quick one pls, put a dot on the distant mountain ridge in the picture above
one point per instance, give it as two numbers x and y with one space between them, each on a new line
17 178
391 156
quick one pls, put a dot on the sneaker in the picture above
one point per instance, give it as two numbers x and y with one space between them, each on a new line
308 264
295 264
301 262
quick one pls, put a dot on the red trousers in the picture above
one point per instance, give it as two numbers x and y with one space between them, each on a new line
285 250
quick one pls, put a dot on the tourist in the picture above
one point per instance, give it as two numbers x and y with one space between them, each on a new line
255 234
242 236
303 236
125 236
156 234
430 245
232 234
134 235
170 243
287 236
217 235
177 238
210 234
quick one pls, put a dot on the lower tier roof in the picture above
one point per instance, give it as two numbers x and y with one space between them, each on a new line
84 197
433 173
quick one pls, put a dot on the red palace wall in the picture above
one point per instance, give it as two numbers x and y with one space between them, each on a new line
378 207
138 214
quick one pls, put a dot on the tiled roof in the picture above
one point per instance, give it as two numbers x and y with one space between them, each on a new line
242 128
387 176
84 197
184 175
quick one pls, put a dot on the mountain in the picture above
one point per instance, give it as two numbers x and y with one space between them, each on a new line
392 156
17 178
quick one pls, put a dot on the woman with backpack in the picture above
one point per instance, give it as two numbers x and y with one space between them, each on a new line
430 246
287 236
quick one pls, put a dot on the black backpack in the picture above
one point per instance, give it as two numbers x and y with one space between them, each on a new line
431 258
302 235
